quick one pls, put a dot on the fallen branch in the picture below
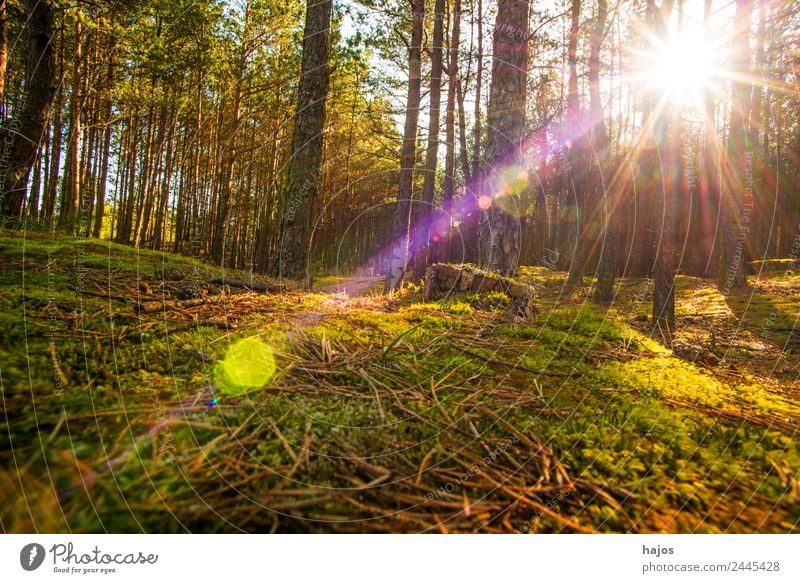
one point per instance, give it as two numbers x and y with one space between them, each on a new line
252 286
159 306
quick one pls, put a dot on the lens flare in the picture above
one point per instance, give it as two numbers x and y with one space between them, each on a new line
683 66
485 202
248 364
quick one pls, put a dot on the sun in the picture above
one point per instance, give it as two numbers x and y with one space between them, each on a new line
684 66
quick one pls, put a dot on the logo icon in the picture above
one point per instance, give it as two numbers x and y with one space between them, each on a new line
31 556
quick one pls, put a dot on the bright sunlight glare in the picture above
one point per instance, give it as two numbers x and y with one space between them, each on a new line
682 66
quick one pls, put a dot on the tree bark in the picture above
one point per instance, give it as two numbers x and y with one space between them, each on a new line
51 188
606 270
738 204
759 225
470 228
506 128
573 137
476 127
24 133
305 168
100 203
36 182
222 217
3 59
669 191
709 174
408 156
442 225
71 185
423 213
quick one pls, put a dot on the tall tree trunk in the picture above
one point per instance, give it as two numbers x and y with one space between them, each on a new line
759 221
506 129
136 207
36 183
669 192
471 228
160 232
305 167
466 169
51 188
709 173
225 194
422 213
650 178
125 206
3 59
606 270
574 137
195 216
442 225
100 202
408 155
24 133
544 219
71 186
737 206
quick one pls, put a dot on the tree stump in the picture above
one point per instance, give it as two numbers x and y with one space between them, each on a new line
444 278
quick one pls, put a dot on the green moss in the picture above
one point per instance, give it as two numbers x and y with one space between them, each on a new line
385 382
667 377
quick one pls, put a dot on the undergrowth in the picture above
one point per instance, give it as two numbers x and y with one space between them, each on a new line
379 407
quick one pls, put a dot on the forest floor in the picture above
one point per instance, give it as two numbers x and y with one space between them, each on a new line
141 392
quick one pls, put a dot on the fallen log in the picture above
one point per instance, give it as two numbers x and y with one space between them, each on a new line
444 278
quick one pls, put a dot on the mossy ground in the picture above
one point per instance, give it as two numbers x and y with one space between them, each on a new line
386 414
